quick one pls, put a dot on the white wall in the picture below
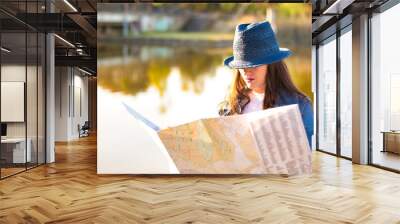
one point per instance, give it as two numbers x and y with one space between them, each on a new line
71 93
62 81
12 73
80 89
33 126
12 100
13 81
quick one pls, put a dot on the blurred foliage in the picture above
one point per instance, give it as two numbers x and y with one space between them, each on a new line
158 71
282 9
138 75
188 35
294 9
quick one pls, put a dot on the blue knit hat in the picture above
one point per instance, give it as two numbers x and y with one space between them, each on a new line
255 44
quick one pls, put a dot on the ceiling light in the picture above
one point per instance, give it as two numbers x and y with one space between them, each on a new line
70 5
65 41
5 50
86 72
337 7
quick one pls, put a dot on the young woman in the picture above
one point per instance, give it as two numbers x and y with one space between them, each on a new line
262 79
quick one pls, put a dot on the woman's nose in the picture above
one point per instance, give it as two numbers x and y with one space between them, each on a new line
249 71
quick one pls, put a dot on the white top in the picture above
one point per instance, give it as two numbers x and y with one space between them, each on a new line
256 102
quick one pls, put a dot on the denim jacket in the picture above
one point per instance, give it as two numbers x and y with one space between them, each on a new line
284 99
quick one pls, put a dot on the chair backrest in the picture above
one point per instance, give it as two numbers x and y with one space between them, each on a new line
86 124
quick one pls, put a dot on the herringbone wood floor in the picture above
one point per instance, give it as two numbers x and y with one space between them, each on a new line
70 191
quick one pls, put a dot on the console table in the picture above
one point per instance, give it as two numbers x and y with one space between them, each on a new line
13 150
391 141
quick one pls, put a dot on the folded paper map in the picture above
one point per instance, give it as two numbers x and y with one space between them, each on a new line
271 141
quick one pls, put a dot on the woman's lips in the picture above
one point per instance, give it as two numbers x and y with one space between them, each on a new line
249 79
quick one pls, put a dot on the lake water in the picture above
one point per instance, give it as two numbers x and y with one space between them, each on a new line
172 86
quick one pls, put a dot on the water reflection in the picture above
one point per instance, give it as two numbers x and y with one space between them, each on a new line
139 68
176 85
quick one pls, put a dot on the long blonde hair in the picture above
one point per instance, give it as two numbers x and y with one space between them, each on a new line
277 80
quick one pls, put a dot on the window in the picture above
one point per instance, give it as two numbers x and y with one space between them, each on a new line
22 77
346 93
327 96
385 89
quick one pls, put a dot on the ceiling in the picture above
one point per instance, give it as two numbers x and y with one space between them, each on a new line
332 15
73 21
